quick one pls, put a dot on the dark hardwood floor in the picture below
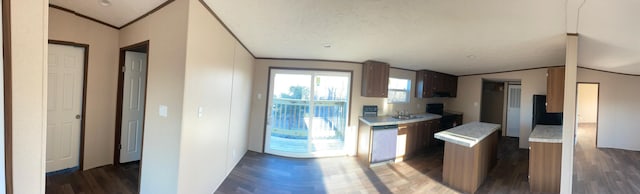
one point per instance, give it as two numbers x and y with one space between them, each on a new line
595 171
106 179
603 170
263 173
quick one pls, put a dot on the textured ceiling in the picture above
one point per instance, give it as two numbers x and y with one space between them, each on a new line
118 14
609 36
453 36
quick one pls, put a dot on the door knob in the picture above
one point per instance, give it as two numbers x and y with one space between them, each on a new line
77 116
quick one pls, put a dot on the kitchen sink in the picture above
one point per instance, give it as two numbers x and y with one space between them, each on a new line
405 117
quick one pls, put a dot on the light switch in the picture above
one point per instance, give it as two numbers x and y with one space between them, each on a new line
200 110
163 111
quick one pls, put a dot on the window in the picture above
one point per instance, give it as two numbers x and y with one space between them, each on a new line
399 90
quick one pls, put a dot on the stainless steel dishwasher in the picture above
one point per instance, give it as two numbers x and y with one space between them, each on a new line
383 146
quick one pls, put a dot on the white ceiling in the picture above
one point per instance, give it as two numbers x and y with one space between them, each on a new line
609 36
453 36
118 14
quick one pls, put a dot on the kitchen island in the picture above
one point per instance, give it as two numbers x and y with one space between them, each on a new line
545 158
470 151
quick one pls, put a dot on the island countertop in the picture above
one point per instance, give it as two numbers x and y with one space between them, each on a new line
468 134
546 134
388 120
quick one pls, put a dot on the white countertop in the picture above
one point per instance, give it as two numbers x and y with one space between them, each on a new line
388 120
546 134
469 134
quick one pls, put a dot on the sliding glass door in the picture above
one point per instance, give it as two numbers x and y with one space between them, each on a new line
307 113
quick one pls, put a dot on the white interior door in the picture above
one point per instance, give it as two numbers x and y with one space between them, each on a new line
133 106
513 111
64 96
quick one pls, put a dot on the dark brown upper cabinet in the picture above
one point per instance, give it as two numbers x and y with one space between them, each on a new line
434 84
375 79
555 89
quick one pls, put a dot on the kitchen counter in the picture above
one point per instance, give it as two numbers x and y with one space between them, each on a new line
545 158
546 134
412 136
388 120
469 134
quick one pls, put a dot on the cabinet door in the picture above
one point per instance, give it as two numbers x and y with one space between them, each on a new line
434 127
412 138
375 79
555 89
451 85
425 135
429 85
438 82
421 129
420 85
401 142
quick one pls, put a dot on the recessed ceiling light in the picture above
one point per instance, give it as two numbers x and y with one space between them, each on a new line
326 45
105 3
471 56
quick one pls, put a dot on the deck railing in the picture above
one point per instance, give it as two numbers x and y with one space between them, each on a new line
291 118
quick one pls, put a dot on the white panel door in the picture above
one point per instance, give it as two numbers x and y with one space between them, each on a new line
64 96
133 106
513 110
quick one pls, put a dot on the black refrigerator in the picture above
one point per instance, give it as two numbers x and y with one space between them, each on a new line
540 115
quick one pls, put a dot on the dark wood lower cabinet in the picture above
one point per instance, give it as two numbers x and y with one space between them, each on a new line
414 138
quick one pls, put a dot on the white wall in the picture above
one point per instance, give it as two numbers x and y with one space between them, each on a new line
29 87
261 78
619 109
470 93
218 78
166 30
102 81
587 103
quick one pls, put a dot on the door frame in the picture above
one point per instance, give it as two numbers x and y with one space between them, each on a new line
117 141
84 93
268 97
597 105
8 130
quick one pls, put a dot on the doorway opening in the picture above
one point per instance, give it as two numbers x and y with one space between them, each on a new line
66 96
500 104
587 115
308 112
492 102
130 112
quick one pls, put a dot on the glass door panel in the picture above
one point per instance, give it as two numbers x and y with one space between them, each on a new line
289 117
331 99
